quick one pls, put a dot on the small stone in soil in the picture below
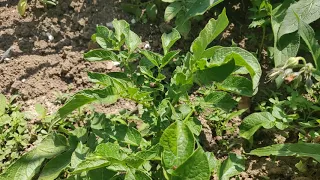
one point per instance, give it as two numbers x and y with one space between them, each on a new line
109 65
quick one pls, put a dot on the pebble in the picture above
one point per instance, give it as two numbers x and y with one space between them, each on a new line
147 46
109 65
115 63
50 37
109 25
82 22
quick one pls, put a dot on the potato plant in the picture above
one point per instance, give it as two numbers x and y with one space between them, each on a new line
160 138
290 24
181 11
23 4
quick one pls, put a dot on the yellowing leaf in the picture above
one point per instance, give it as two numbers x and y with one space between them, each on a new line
22 6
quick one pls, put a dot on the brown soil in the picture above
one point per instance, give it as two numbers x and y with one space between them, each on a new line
37 67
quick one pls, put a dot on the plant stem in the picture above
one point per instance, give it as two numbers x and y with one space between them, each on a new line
262 41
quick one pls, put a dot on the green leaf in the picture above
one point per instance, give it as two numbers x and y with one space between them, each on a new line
128 135
134 161
131 8
3 104
55 166
219 99
172 10
308 35
183 28
136 175
42 112
90 164
307 10
199 7
170 1
215 73
196 167
194 125
144 70
234 165
82 98
255 121
152 11
79 154
169 39
103 37
242 58
237 84
109 150
153 57
208 34
150 154
288 46
29 164
121 28
214 163
168 57
22 6
101 173
113 80
100 55
297 149
132 41
178 143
